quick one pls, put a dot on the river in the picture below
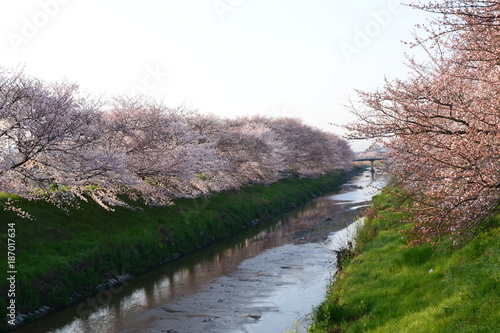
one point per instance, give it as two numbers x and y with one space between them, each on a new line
265 279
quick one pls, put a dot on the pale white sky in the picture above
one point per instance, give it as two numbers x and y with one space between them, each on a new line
300 58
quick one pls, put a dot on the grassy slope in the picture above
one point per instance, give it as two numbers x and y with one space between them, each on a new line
60 253
391 288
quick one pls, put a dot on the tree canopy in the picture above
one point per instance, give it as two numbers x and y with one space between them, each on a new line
59 145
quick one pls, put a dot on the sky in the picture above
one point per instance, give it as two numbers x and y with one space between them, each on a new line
298 58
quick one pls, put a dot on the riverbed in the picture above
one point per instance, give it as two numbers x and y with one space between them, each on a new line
266 279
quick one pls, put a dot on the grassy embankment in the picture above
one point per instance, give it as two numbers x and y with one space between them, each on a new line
388 287
60 254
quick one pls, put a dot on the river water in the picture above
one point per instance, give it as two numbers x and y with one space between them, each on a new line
266 279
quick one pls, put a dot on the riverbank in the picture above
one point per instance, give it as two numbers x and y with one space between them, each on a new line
63 257
388 287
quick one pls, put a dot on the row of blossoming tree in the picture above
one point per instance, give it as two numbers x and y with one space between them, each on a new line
59 145
442 124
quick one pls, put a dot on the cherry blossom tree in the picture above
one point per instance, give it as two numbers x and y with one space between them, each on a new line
161 147
253 150
442 124
50 135
310 151
263 149
58 145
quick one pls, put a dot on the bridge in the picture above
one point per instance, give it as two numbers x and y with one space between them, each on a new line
371 155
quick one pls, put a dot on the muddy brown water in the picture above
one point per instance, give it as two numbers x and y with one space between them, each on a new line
265 279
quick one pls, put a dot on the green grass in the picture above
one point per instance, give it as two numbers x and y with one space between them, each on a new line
389 287
59 254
